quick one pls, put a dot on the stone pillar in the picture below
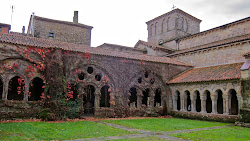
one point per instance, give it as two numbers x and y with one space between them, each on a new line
26 90
182 103
174 102
214 103
5 89
193 103
97 99
139 98
225 105
151 98
203 104
239 102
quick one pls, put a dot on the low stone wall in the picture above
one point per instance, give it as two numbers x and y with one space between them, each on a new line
205 116
19 109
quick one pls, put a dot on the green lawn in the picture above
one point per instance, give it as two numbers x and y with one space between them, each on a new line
224 134
164 124
56 131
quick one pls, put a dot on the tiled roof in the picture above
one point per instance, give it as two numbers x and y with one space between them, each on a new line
153 46
119 46
213 73
211 45
62 22
39 42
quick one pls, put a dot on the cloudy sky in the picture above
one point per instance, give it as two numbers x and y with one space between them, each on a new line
122 21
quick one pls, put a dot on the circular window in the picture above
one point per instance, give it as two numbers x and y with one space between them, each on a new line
81 76
146 74
90 70
139 80
98 77
152 81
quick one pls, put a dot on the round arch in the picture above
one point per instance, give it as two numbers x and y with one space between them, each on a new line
16 88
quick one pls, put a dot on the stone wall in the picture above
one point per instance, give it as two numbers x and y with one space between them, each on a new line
62 32
219 33
227 54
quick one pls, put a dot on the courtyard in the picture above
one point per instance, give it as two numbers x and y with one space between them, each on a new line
163 128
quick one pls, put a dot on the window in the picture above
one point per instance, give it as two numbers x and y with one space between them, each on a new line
51 34
0 29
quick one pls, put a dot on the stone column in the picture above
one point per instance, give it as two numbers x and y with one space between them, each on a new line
5 89
139 98
225 105
182 103
151 98
239 102
193 103
26 90
214 103
174 102
97 99
203 104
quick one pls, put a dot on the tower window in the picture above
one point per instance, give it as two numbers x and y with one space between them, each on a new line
0 29
51 34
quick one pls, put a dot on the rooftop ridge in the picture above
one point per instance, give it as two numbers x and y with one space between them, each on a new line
45 43
175 10
62 22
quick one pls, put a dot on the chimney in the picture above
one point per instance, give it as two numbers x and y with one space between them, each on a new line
23 30
75 18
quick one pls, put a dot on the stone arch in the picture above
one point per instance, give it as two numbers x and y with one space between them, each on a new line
105 96
233 100
1 88
187 100
89 99
197 101
36 89
219 95
157 97
147 82
133 97
178 100
208 101
16 88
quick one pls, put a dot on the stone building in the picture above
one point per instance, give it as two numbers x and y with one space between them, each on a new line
179 70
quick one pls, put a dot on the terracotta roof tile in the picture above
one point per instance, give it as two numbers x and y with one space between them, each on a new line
39 42
153 46
213 73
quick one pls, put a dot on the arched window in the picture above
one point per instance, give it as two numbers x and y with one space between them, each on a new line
157 98
178 100
157 28
145 97
36 89
16 89
208 102
89 99
163 26
234 102
152 30
219 102
198 101
187 93
105 97
1 88
133 97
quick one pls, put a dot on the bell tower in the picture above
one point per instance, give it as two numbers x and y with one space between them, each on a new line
171 26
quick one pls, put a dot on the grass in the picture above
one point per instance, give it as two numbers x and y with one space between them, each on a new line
164 124
224 134
149 138
56 131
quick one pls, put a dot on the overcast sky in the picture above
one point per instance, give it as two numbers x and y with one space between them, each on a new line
122 21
